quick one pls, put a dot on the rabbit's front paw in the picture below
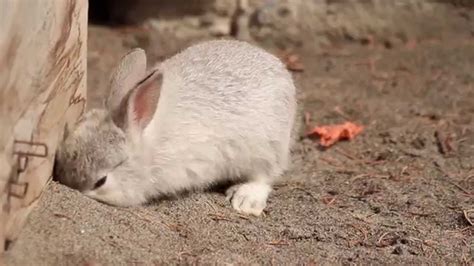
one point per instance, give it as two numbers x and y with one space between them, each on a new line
249 198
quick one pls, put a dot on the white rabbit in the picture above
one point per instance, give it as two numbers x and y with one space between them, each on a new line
218 111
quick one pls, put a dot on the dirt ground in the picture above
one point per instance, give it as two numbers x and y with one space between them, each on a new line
400 193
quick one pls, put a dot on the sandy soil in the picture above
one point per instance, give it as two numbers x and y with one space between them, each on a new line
394 195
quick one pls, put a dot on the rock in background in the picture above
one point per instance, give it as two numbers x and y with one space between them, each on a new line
293 22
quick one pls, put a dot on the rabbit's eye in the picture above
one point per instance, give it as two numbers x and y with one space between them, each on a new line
100 182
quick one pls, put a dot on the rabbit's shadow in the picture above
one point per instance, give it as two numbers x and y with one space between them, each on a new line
218 188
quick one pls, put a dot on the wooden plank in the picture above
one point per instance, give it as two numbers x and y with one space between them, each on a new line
43 47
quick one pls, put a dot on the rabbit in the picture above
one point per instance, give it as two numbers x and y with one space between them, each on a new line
218 111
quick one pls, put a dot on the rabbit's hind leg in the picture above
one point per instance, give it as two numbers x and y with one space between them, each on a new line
250 197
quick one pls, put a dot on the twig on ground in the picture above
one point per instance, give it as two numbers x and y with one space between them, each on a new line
60 215
330 161
212 205
459 187
369 175
445 142
420 214
379 241
339 111
353 157
245 236
244 217
307 192
329 200
466 216
279 242
363 231
140 215
218 217
347 154
404 170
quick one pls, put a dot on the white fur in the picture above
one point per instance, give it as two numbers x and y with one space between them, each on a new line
226 111
249 198
202 127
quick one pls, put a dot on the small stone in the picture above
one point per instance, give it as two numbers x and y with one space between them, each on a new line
398 250
376 209
207 20
220 27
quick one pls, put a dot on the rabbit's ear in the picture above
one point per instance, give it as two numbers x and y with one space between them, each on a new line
130 71
143 101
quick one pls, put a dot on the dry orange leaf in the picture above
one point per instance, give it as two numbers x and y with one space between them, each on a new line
331 134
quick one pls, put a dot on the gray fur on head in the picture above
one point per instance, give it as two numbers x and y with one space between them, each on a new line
87 152
218 111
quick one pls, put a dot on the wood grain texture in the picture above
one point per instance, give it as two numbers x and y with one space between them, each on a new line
43 47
